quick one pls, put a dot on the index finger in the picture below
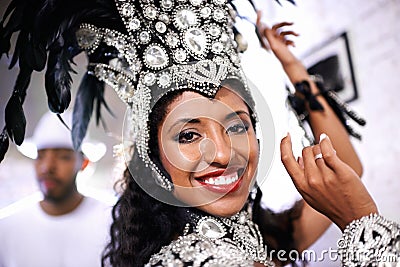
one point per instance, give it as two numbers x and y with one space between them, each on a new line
290 163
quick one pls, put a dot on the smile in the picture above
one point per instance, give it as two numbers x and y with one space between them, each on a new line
221 182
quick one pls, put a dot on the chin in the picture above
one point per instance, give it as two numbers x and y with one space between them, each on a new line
222 208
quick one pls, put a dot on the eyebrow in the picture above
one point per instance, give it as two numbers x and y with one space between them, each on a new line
184 121
191 120
236 113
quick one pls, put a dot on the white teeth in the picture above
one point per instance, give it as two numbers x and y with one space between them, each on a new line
222 180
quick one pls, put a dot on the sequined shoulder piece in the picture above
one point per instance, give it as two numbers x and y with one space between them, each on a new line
196 250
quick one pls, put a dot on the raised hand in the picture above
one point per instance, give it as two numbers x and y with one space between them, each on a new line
276 39
326 183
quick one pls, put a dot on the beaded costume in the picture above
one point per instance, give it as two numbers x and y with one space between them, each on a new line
212 241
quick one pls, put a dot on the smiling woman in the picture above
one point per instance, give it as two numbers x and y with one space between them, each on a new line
210 150
189 193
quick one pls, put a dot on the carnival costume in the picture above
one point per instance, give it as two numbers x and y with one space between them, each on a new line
146 49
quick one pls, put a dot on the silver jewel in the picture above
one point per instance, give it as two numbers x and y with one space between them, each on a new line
167 4
210 228
120 64
214 31
150 12
164 80
144 37
196 2
220 2
180 55
219 15
119 43
185 18
134 24
136 66
110 78
205 12
127 10
217 47
87 38
164 18
235 59
225 39
196 40
130 51
109 37
149 79
156 57
172 40
242 218
160 27
125 91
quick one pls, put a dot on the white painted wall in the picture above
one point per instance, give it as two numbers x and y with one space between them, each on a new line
373 28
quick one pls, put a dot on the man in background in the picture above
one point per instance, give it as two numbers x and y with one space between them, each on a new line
66 228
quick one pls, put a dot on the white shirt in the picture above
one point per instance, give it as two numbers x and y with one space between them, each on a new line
32 238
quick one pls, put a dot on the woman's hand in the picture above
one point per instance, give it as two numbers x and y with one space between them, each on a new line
326 183
276 39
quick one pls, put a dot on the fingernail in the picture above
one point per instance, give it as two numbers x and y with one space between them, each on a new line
322 137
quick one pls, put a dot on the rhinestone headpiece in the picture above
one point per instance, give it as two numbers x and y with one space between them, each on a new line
168 45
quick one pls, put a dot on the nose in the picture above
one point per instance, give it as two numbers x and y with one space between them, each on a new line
46 164
216 149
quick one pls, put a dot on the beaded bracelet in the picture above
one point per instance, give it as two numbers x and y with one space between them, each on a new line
370 241
341 109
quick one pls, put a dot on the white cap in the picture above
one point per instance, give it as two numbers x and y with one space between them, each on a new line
50 133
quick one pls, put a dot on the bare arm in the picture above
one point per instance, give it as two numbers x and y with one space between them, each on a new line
324 121
311 224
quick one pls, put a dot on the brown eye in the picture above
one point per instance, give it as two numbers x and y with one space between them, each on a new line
188 137
237 129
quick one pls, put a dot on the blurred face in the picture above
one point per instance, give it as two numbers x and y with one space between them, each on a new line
209 148
56 171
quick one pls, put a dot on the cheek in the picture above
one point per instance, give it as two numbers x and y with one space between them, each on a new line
68 169
182 157
246 146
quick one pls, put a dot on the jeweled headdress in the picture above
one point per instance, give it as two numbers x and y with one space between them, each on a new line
143 49
168 45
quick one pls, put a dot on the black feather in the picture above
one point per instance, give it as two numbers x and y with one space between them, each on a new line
83 108
104 55
20 45
35 55
4 143
15 14
46 38
5 44
290 1
14 113
58 79
15 119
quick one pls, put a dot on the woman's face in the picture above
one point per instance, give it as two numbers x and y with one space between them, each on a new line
209 148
